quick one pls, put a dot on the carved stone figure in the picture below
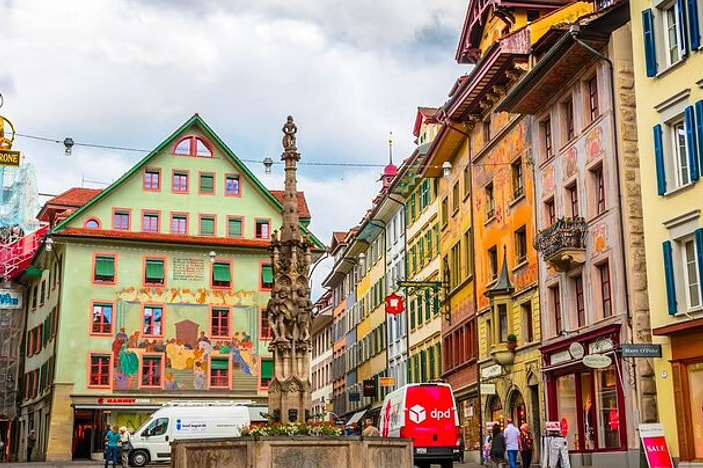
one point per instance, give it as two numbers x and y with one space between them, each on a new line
289 131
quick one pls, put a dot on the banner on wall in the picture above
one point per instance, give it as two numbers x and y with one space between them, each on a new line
654 444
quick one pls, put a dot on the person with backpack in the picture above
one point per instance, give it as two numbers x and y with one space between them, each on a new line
497 447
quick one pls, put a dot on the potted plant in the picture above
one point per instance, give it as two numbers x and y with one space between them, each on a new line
512 342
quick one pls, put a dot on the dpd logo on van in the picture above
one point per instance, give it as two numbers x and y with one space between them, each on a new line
419 414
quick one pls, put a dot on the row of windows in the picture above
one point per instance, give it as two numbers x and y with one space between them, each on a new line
42 291
207 223
151 371
683 267
39 336
180 182
423 307
37 381
425 365
460 346
678 23
154 271
423 250
572 202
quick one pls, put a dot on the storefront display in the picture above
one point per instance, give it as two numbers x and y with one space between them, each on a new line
695 389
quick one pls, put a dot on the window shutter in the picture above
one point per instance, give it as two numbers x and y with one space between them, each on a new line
699 130
220 363
659 156
690 124
649 47
266 368
699 255
693 27
220 272
681 27
155 269
669 274
105 266
267 273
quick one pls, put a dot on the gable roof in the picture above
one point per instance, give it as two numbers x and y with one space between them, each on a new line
75 197
303 210
195 119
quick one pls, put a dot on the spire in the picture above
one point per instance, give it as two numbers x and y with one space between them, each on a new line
290 230
503 286
390 148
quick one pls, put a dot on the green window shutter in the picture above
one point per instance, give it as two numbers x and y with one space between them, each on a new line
432 368
220 272
421 249
154 269
408 372
207 183
436 237
104 266
428 305
412 314
219 363
207 225
267 274
266 368
418 302
416 370
429 242
423 365
438 347
234 227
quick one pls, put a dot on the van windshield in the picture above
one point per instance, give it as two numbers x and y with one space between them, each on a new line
156 427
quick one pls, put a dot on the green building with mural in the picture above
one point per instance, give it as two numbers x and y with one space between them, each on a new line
162 282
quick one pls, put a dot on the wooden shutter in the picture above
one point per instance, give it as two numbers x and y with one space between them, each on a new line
649 46
693 28
699 255
669 275
699 130
690 127
681 27
678 374
659 159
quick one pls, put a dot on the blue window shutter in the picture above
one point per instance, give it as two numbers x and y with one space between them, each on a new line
690 124
649 47
699 255
699 130
669 274
693 28
659 156
681 20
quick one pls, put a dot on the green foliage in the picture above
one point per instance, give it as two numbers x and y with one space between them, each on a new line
512 337
293 429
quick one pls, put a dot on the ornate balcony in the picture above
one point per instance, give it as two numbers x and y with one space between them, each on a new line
563 244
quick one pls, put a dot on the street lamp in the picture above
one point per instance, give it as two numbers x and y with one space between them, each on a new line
268 162
49 244
68 144
446 169
212 256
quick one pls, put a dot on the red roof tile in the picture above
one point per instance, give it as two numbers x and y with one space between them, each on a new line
74 197
339 236
303 210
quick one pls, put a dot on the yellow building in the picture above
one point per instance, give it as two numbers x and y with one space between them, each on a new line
668 69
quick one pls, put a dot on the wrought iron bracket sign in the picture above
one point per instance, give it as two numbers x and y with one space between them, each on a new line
440 290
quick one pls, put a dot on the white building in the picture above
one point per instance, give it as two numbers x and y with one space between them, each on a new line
321 364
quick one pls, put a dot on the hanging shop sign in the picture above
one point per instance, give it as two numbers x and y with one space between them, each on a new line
492 371
10 299
558 358
394 304
9 158
603 344
488 389
654 443
645 350
369 388
576 350
354 397
386 381
597 361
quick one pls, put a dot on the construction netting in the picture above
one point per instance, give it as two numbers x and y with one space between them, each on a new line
19 202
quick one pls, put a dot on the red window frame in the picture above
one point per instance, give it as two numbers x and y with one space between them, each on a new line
152 179
150 221
265 330
179 182
193 147
593 97
600 190
220 318
104 327
120 220
151 322
556 308
215 284
180 219
146 258
574 199
219 378
151 371
92 220
37 339
228 186
580 303
262 222
606 297
551 211
99 370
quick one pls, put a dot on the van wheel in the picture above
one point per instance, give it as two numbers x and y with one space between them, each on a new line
138 458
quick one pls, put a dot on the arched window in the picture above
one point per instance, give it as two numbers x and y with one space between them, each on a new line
193 146
92 223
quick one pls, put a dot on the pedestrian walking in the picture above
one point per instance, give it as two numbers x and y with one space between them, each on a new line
125 445
31 440
112 439
527 445
512 444
462 447
497 447
369 429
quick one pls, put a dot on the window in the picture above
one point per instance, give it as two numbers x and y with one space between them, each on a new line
152 179
467 181
101 319
573 195
207 225
693 287
455 268
528 332
554 296
490 201
521 245
266 371
232 185
219 372
92 223
192 146
99 370
153 320
518 182
266 276
234 226
151 371
568 112
266 332
549 212
156 428
428 241
179 224
207 182
580 305
502 323
120 220
35 294
532 15
221 274
154 272
104 269
42 295
411 207
445 211
486 131
489 334
180 182
262 229
672 35
219 322
468 253
606 300
455 198
599 184
150 222
492 263
680 151
547 147
594 111
424 194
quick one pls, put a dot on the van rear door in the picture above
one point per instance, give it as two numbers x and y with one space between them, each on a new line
430 415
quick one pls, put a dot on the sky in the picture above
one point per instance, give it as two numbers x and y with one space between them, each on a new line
127 73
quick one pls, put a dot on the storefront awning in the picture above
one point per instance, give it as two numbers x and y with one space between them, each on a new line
356 417
119 407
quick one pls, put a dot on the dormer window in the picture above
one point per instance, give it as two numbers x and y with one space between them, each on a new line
193 146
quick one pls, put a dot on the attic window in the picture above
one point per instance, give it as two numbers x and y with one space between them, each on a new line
193 146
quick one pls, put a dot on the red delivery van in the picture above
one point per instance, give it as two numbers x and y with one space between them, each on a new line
425 413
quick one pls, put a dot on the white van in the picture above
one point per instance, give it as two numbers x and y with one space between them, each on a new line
176 421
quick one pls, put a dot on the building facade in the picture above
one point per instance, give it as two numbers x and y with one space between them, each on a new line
321 361
667 76
164 278
396 324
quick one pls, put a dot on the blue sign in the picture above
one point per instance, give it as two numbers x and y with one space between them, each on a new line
354 396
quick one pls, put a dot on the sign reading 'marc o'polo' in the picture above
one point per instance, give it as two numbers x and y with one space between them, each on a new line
646 350
10 299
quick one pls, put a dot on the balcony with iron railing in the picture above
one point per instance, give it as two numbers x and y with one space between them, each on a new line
563 244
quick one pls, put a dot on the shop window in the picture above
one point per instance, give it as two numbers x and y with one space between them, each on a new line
120 220
221 274
104 269
153 320
608 413
179 224
232 184
207 182
234 226
262 229
152 179
219 372
518 179
567 407
695 387
266 372
101 319
99 370
589 410
207 225
154 272
219 323
151 372
150 222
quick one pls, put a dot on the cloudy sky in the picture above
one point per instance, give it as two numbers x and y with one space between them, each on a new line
128 72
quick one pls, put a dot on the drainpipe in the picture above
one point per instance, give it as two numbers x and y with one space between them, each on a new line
574 31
